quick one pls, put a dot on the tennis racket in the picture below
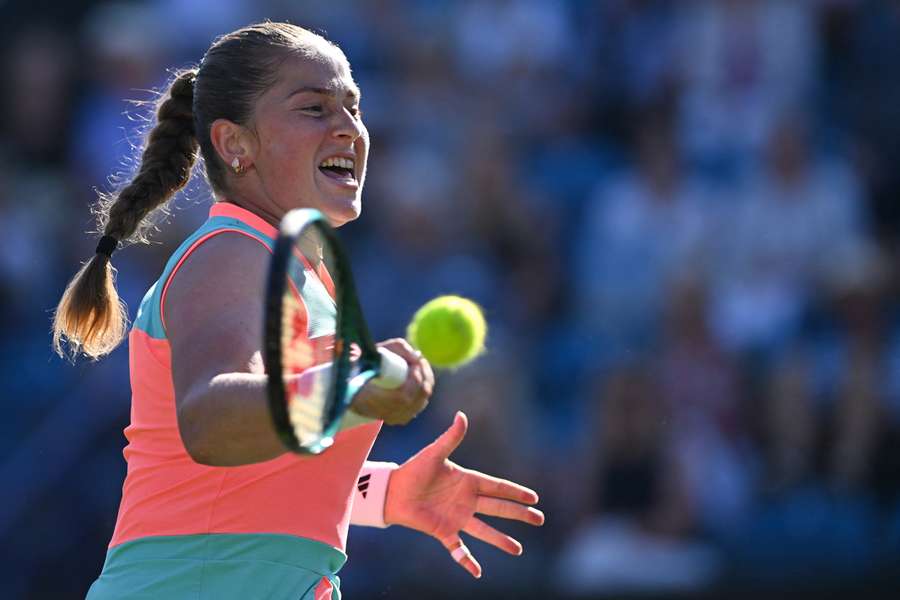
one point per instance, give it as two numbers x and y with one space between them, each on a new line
318 349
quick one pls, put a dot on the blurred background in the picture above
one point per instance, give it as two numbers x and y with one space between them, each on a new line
680 217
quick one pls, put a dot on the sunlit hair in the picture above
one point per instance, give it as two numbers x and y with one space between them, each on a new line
236 70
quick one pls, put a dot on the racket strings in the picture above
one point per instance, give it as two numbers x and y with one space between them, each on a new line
312 393
307 386
297 352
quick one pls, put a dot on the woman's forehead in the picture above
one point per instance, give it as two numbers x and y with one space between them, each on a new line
322 70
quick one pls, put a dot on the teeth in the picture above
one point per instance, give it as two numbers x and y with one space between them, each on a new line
337 161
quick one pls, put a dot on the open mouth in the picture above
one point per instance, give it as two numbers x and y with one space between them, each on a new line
339 169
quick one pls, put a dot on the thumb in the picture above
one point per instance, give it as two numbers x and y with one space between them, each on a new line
453 437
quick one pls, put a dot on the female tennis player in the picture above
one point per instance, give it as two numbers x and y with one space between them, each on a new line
212 506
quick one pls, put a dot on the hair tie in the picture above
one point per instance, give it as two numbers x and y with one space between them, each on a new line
107 245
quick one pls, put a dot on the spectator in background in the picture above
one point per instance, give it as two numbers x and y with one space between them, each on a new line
651 72
39 82
502 213
525 48
791 425
627 74
415 98
701 386
869 95
122 41
509 37
646 225
864 341
863 428
36 116
636 522
744 60
797 212
799 525
198 23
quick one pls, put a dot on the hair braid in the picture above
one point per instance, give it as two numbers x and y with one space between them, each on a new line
90 314
166 164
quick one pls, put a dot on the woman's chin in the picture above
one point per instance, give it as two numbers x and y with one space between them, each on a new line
341 213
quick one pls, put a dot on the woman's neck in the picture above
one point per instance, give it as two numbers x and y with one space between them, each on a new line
268 214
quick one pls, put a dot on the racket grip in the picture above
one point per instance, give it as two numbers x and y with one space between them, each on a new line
393 369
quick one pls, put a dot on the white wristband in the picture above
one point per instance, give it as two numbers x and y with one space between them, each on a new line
370 494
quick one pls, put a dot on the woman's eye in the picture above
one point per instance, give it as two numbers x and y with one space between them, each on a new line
355 111
317 108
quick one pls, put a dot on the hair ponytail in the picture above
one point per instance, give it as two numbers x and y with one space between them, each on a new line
91 317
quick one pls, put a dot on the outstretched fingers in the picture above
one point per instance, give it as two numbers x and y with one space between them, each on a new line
462 555
502 488
487 534
507 509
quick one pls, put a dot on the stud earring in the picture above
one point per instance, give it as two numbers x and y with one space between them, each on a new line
237 166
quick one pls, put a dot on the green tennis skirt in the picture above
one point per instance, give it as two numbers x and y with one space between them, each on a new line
220 567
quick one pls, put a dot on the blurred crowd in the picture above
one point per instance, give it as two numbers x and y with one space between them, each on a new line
680 217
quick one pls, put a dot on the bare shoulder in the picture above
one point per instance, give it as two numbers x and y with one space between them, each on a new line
213 307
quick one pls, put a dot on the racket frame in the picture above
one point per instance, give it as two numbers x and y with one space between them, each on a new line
350 328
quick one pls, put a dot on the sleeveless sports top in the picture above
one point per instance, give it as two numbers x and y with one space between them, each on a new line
167 493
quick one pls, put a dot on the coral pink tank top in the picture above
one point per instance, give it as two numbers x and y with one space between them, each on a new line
167 493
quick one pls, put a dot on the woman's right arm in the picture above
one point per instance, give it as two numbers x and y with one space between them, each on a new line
214 320
214 313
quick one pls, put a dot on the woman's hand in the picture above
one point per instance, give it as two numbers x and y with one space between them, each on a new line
431 494
398 406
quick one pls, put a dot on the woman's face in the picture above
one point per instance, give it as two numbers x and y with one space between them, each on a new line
312 142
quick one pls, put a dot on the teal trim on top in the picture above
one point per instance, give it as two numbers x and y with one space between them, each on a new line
221 566
273 547
149 318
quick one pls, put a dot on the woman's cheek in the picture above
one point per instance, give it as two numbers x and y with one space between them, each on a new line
293 159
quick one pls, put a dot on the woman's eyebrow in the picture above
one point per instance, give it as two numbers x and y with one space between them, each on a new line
352 92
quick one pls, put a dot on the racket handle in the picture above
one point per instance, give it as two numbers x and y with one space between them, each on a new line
393 369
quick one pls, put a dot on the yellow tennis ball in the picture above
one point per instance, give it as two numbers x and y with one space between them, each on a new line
449 331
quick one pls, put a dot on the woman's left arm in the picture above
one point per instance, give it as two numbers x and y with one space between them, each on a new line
432 494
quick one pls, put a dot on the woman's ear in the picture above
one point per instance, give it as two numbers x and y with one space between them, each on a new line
235 144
